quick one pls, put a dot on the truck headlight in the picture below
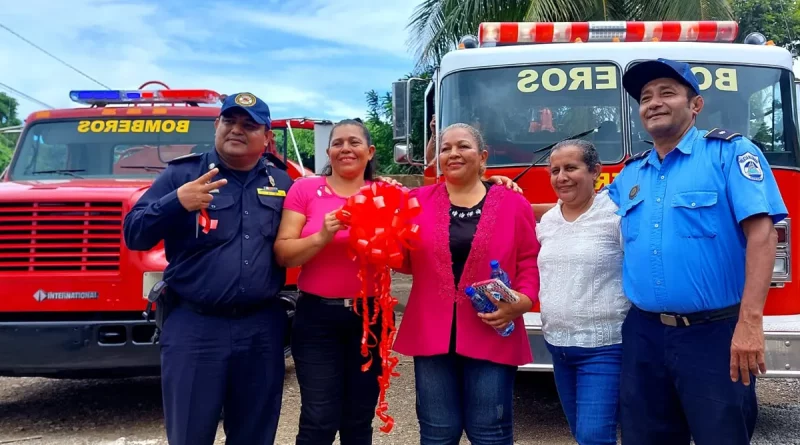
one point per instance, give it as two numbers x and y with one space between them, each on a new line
149 279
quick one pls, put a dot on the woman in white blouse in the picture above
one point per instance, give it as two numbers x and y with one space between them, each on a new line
582 302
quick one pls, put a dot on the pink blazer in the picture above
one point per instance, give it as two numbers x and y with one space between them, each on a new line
506 232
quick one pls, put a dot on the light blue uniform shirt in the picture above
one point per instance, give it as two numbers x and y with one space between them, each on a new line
684 247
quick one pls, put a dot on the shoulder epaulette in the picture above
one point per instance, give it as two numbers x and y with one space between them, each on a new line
274 160
638 156
720 133
185 157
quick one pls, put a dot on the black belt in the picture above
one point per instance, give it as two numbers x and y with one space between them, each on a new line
227 311
340 302
684 320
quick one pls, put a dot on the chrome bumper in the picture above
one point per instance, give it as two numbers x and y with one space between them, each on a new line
782 346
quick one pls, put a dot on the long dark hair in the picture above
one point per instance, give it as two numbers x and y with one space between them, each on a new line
372 165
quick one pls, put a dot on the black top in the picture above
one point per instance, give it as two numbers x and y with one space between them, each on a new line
463 225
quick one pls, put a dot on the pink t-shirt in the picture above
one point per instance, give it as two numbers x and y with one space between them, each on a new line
331 273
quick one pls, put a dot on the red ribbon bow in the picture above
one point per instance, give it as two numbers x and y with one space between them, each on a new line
206 222
379 217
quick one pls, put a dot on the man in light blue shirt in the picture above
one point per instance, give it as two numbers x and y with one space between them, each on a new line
698 213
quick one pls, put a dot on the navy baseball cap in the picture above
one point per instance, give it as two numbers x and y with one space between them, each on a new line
255 107
642 73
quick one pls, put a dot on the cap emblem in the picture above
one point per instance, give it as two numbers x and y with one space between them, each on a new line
245 100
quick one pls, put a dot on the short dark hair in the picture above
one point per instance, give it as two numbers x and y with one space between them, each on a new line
590 156
372 165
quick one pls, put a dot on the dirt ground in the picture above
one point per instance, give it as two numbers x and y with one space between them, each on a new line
127 412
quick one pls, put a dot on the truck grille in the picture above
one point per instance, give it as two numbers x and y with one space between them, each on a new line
60 236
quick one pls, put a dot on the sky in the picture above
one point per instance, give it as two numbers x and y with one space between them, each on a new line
309 58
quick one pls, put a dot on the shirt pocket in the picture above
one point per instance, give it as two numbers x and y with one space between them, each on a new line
631 218
219 210
271 208
694 214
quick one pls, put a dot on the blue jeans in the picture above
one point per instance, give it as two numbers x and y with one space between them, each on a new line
587 380
456 393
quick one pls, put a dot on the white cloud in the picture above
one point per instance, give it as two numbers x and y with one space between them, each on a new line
366 23
346 47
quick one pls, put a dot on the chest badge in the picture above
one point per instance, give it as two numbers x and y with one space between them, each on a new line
270 191
634 191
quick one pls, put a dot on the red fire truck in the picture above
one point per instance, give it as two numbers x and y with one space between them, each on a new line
73 295
529 85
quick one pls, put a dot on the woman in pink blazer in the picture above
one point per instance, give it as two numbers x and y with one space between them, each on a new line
464 369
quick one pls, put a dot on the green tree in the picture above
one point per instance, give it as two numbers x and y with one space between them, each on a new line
379 123
437 25
778 20
8 118
305 145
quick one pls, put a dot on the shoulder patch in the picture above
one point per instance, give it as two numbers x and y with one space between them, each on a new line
185 157
271 159
638 156
721 133
750 166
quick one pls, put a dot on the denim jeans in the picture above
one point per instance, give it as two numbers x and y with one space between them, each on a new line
587 380
457 394
676 384
335 395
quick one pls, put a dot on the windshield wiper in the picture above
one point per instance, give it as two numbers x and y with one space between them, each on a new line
60 171
547 148
145 167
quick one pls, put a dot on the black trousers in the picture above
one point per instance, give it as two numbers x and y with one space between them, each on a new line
336 395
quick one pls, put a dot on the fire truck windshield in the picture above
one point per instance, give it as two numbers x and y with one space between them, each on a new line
754 101
521 109
108 147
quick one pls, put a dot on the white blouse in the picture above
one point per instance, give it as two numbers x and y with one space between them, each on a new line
580 268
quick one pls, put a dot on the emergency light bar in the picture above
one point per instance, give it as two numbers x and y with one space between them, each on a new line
92 97
495 33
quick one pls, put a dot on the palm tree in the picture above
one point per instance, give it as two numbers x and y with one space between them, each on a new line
437 25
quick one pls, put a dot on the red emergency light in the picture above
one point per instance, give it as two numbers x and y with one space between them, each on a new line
500 33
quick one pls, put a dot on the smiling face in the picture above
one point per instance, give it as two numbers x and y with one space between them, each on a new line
239 139
666 108
571 178
461 157
349 151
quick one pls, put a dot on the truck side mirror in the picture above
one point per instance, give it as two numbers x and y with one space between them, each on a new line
400 110
401 154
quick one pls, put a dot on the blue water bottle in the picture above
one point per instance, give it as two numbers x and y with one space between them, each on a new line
499 273
485 305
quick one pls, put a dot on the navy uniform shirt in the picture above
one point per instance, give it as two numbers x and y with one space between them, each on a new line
232 264
684 246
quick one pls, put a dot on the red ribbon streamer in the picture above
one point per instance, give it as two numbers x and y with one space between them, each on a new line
379 217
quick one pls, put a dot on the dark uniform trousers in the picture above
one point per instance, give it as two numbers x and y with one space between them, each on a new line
676 384
336 394
213 362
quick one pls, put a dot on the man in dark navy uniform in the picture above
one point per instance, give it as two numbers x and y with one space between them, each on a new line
222 343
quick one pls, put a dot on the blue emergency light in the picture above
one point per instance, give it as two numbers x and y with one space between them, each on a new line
91 97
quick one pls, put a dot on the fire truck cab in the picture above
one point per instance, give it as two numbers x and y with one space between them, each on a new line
73 294
529 85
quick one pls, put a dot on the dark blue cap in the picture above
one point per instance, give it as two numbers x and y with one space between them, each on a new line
642 73
255 107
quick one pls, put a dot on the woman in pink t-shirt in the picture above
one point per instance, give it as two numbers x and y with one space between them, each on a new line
326 337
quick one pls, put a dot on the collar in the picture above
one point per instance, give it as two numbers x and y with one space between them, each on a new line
213 158
684 146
